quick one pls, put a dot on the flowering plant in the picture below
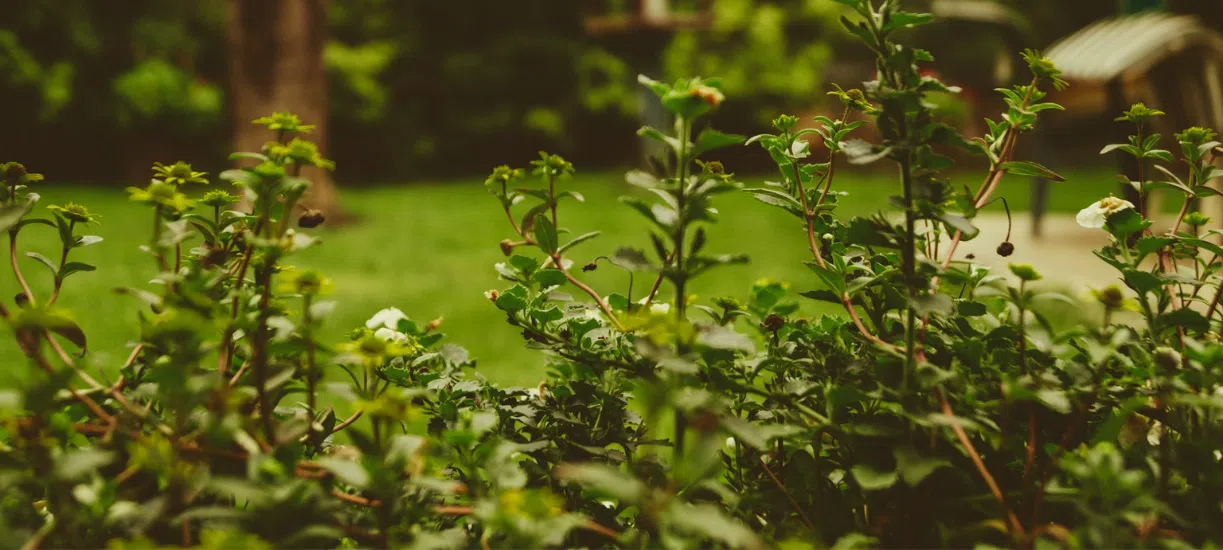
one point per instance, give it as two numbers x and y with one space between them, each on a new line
945 407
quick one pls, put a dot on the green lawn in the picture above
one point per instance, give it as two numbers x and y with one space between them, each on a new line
429 248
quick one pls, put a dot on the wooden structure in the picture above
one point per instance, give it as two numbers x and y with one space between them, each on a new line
1170 62
641 36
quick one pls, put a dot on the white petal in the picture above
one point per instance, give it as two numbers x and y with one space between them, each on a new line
389 335
388 318
660 309
1091 217
800 149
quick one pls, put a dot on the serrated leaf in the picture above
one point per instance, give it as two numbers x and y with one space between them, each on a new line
710 140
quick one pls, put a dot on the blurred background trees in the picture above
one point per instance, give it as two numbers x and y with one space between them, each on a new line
417 88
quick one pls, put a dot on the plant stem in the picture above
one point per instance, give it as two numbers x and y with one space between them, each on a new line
681 274
909 268
12 242
1012 522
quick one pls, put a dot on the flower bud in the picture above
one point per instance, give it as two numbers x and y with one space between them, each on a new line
774 322
492 295
507 247
1006 249
14 171
590 266
1110 296
22 299
1167 358
433 325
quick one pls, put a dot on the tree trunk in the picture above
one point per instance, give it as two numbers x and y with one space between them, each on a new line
276 56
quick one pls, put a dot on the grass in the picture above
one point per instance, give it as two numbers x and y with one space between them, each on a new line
429 249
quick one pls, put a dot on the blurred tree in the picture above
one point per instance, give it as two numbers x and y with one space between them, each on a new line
114 81
276 64
771 54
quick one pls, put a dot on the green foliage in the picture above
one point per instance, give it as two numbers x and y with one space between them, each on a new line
944 410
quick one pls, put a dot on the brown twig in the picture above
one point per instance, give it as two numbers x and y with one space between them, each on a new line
1013 524
794 503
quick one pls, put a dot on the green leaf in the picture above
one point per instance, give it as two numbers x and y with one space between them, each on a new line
830 278
959 223
513 299
654 134
86 240
644 180
925 304
1187 318
76 463
905 20
578 240
758 436
970 308
633 259
710 140
604 480
348 471
547 278
719 337
860 152
710 522
1029 168
1055 399
1148 245
914 467
871 479
10 215
545 234
75 267
45 261
1141 281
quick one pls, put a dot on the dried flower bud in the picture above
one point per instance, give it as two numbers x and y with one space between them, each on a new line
1110 296
21 299
1006 249
311 218
709 95
590 266
507 247
14 171
215 256
433 325
1167 358
492 295
774 322
970 256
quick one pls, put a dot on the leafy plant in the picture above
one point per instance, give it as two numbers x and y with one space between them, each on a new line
943 409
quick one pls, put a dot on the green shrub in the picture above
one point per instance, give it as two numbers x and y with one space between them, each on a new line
944 410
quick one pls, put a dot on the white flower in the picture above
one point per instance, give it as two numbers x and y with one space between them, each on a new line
388 335
730 443
800 149
1094 216
389 318
660 309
